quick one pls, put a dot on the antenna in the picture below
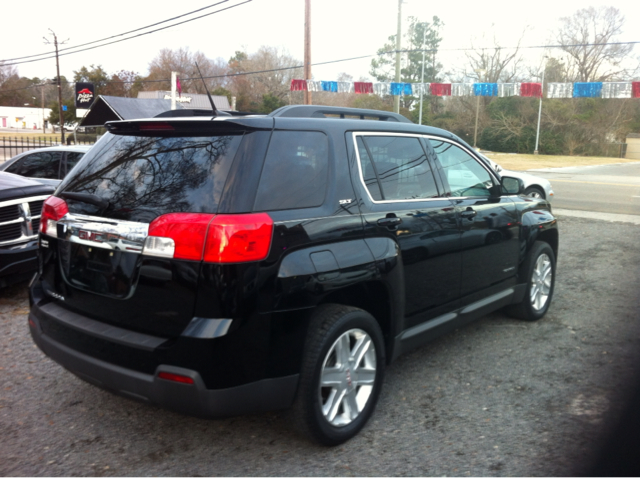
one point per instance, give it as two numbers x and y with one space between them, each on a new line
213 106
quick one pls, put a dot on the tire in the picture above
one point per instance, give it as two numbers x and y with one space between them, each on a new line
539 270
534 192
336 411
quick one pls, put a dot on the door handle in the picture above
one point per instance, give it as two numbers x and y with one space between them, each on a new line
389 221
468 214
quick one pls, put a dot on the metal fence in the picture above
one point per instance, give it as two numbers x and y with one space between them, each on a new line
9 147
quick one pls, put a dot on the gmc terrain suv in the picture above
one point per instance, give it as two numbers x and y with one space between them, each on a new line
231 264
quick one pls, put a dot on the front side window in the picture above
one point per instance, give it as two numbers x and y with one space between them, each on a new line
44 165
395 168
465 175
295 171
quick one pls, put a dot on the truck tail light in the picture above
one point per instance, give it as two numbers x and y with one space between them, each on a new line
53 210
211 238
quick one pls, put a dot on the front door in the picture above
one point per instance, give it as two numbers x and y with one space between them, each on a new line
401 200
489 224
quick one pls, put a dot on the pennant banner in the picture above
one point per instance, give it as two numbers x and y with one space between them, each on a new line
614 89
620 89
560 90
485 89
508 89
587 90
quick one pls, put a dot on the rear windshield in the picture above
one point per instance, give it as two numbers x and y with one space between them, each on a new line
145 177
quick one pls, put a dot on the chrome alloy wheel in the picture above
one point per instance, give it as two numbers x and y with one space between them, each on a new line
541 282
534 193
347 377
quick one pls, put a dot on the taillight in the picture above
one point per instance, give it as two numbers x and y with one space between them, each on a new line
178 235
239 238
209 237
53 210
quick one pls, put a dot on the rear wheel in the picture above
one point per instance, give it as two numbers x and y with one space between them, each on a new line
341 376
539 270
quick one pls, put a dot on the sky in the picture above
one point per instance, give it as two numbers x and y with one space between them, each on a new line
340 29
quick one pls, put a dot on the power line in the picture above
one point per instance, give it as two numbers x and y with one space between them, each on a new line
119 35
132 37
230 75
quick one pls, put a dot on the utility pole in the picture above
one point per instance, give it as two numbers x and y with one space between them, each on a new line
307 49
59 83
396 99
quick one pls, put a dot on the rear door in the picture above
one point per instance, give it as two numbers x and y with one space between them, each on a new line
95 262
489 224
401 200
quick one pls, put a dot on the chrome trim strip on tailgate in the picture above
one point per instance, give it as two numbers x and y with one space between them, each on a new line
103 233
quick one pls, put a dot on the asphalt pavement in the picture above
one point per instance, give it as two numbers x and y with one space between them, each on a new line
612 188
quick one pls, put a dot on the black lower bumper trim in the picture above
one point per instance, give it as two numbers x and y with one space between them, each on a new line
193 399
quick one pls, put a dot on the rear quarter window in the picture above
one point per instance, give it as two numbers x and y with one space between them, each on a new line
295 171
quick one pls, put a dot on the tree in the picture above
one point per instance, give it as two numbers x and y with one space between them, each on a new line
69 115
257 79
419 36
588 38
184 62
494 64
16 90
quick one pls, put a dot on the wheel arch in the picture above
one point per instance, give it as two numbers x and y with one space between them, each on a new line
373 297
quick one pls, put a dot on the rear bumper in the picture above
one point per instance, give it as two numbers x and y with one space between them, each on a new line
191 399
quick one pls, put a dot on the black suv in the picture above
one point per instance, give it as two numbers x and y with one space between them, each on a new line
232 264
21 201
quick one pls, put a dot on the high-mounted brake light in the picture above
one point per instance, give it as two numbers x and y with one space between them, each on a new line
217 239
156 127
53 210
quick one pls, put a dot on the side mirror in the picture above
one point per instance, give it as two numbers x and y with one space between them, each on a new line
512 185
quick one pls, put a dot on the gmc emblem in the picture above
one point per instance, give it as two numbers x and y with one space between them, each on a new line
91 236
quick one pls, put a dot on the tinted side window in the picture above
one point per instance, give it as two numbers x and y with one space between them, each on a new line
400 168
72 160
295 171
466 177
38 165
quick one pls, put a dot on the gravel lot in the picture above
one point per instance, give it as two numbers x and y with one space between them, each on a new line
496 398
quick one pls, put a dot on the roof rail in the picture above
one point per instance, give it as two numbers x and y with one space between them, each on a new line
318 111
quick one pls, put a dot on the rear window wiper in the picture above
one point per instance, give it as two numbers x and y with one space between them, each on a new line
87 198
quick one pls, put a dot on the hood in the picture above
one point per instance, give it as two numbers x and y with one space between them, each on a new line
13 186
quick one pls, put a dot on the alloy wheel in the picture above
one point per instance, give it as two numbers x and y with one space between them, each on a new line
347 377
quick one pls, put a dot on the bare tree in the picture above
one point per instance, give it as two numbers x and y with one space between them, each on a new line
494 64
184 62
588 37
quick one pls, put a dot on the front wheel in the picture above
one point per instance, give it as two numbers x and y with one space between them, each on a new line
534 192
539 271
341 376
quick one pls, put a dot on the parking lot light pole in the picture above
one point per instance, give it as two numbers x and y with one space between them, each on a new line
475 132
535 151
424 33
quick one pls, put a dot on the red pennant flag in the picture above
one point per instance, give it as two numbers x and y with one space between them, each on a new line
635 88
440 89
362 87
179 87
531 89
